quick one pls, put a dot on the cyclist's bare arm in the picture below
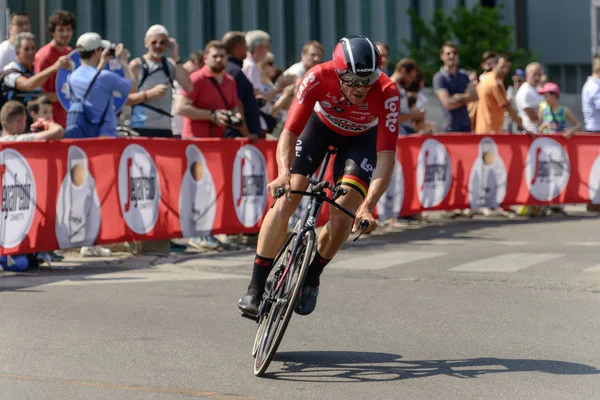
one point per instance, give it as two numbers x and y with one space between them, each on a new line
286 153
382 175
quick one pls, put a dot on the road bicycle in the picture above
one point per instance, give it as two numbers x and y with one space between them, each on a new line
284 286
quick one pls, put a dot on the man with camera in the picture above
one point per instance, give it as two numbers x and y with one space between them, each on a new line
236 49
213 104
92 87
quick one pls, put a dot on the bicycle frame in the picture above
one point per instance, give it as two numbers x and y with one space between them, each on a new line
308 220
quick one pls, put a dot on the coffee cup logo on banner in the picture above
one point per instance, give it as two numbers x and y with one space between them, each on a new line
197 197
547 169
249 185
18 198
434 173
78 207
487 183
139 189
390 204
594 182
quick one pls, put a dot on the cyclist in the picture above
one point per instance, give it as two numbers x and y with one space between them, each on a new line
350 104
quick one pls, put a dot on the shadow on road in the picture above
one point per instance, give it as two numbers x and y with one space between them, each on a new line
342 366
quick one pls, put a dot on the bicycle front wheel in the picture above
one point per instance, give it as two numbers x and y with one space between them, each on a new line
281 309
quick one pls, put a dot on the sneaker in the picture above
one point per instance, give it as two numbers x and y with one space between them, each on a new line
308 300
176 247
558 211
206 242
55 257
48 257
248 304
95 251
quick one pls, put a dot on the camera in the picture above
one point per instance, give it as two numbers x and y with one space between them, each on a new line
112 50
233 120
261 102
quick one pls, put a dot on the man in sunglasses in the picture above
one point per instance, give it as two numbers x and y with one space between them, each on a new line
155 74
454 90
350 104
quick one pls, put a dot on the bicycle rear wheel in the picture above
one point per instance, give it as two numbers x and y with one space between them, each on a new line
274 322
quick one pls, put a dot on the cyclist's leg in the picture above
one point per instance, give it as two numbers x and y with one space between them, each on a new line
311 147
353 167
310 150
274 226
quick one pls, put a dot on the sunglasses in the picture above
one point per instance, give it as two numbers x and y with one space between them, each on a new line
354 81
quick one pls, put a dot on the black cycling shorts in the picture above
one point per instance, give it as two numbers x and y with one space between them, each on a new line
355 159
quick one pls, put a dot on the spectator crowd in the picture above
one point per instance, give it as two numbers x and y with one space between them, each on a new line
233 88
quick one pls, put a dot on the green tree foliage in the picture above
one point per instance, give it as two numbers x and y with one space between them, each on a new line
475 30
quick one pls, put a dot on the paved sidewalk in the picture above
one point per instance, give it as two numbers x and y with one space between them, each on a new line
73 263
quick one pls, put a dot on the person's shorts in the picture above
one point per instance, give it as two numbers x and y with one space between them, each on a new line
355 159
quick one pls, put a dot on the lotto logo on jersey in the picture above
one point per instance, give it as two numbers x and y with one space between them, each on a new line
307 85
391 119
18 198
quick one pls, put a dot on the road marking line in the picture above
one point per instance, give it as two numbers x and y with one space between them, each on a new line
123 387
508 262
584 244
383 260
593 269
141 277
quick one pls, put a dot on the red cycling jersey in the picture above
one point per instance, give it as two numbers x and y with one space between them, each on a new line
320 92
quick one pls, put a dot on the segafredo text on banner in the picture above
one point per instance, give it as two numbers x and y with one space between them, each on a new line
139 189
61 194
18 198
547 170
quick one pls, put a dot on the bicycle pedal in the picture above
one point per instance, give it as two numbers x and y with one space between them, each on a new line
250 317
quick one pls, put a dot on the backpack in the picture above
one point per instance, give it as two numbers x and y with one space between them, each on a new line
19 263
7 93
80 120
146 73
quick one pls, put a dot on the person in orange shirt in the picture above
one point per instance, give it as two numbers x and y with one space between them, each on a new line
492 99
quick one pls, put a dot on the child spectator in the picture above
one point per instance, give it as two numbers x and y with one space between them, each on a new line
554 116
40 111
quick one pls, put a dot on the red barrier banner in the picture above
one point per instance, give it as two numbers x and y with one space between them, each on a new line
70 193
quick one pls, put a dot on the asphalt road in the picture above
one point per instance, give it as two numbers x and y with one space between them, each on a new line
479 309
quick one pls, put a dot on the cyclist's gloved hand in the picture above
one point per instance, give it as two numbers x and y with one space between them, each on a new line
363 213
282 181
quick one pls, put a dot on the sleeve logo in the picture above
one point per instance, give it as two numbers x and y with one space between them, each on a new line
305 88
391 119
